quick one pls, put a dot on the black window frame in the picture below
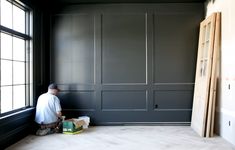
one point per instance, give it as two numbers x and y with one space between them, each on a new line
28 37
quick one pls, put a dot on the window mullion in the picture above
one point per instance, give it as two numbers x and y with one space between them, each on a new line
13 32
12 67
12 59
12 15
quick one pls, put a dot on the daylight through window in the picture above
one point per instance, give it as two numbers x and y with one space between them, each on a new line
15 56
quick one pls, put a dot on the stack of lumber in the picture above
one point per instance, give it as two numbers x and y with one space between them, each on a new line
205 89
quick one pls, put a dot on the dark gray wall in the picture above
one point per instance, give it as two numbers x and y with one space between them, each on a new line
126 63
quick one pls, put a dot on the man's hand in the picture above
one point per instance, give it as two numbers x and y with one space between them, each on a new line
59 114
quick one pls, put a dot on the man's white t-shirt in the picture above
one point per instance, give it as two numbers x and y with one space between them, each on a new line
47 107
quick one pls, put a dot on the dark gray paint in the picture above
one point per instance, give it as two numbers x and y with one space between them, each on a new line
124 100
174 39
173 99
83 49
74 35
82 100
126 63
123 57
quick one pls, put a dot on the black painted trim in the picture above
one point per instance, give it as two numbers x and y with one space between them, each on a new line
15 127
13 32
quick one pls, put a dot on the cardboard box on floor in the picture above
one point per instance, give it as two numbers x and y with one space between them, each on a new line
73 126
86 119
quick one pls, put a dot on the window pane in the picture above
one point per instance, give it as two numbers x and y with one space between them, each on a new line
18 49
6 46
18 96
18 19
13 57
18 72
6 72
6 14
6 98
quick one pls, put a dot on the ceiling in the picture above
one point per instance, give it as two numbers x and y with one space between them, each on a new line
54 4
126 1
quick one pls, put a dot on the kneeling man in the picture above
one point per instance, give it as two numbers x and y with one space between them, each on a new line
48 111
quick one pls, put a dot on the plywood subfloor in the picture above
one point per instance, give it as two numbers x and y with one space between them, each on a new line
125 138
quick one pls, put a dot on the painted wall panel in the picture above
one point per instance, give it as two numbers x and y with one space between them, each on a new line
83 49
62 43
124 100
123 48
175 47
81 100
123 59
173 99
74 36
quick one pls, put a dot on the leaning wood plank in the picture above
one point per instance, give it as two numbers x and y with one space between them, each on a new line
217 46
213 114
213 80
211 131
210 120
203 75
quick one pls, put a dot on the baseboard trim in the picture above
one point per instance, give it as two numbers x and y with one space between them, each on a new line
144 124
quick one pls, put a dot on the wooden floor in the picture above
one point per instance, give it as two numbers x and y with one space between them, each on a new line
125 138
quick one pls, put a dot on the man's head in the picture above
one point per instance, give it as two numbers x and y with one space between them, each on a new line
53 88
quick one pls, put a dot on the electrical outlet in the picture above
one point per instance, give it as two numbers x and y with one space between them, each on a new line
229 123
